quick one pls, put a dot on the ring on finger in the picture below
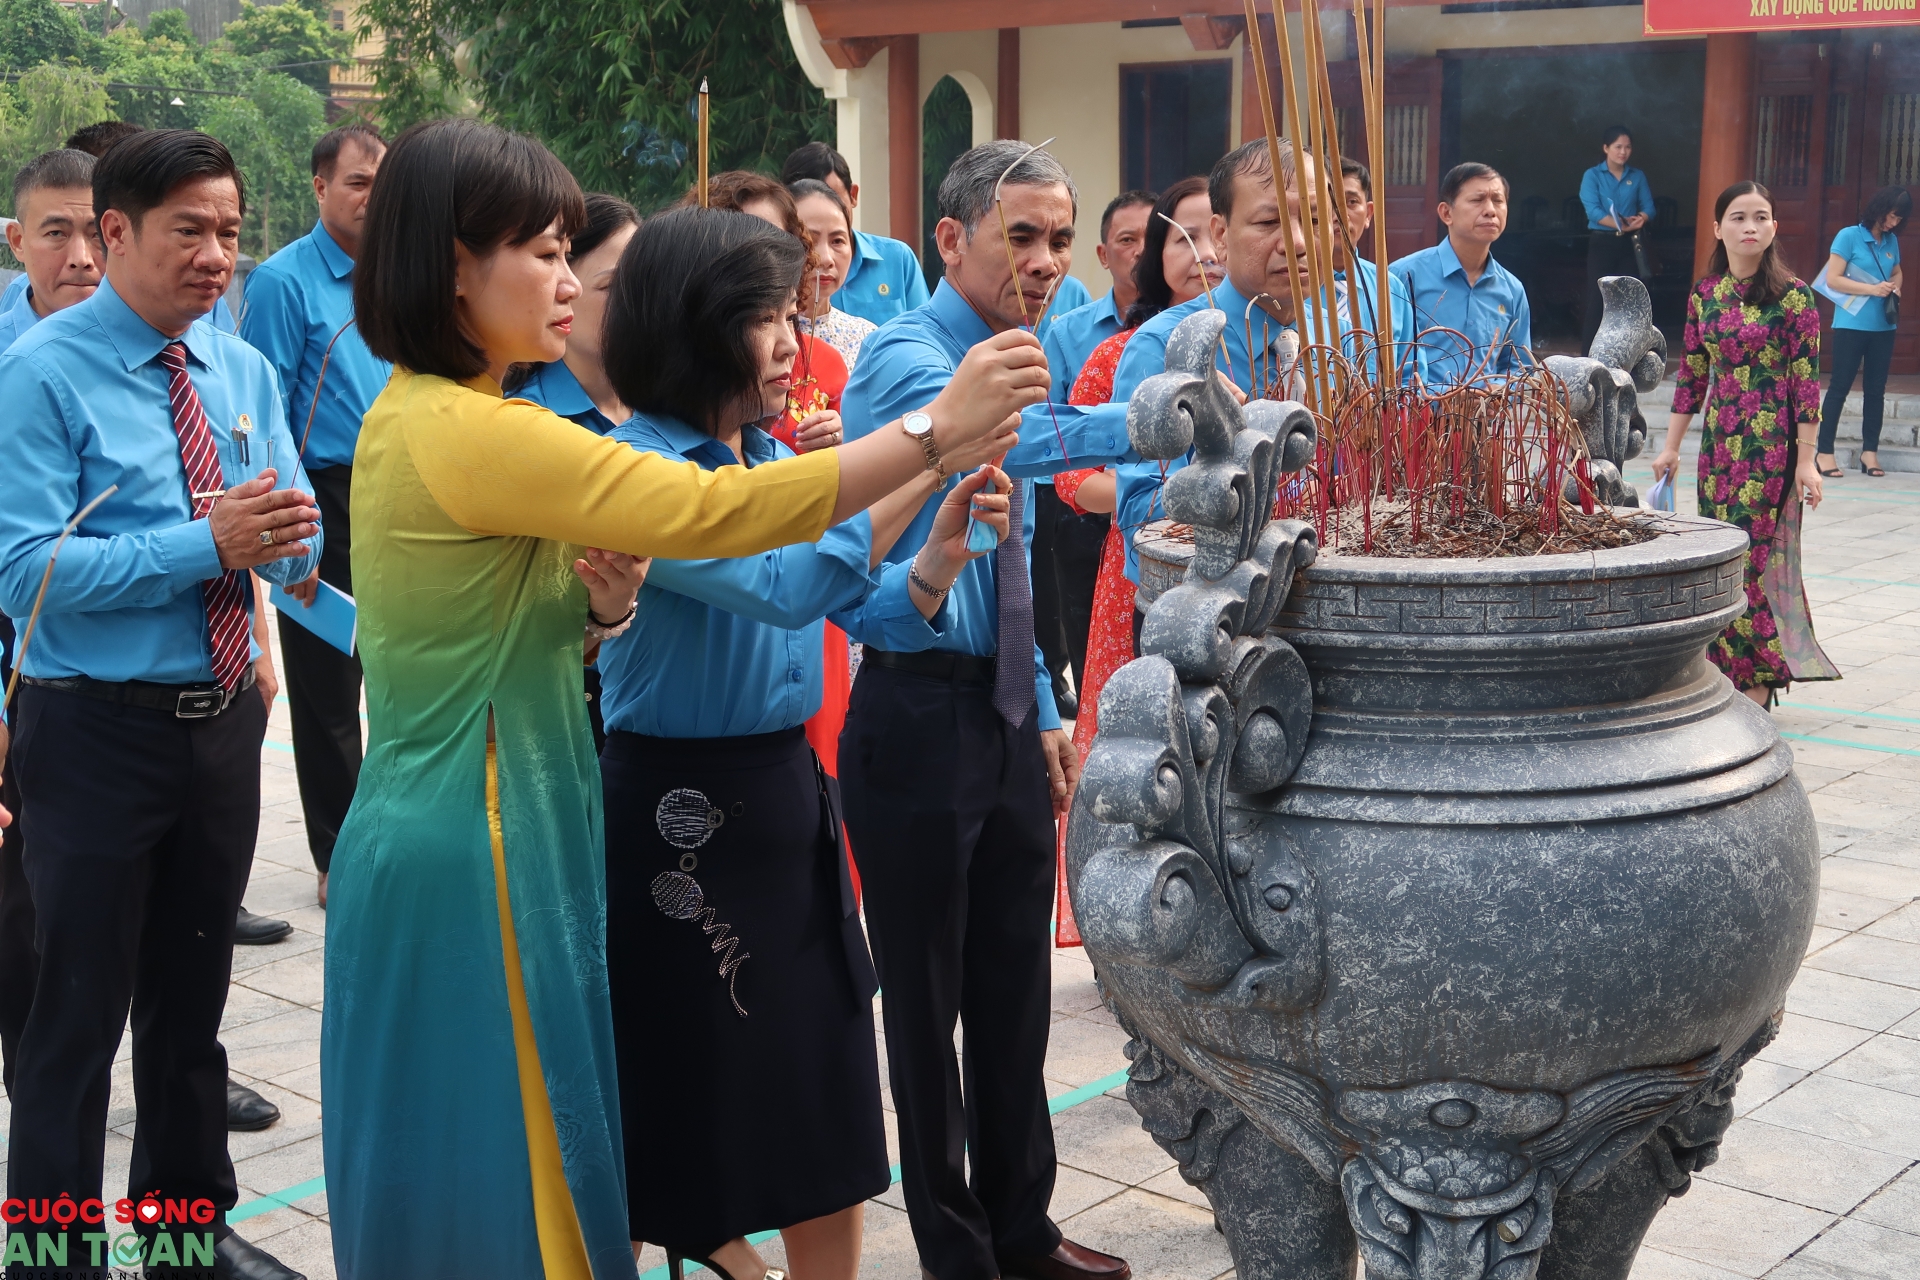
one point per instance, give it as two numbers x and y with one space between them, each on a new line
266 538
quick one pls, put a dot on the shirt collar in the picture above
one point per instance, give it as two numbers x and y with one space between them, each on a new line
22 314
560 391
136 341
697 446
864 243
957 316
1106 308
330 252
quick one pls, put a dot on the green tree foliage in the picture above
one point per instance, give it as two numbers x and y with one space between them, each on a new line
289 37
37 31
610 85
271 133
171 24
46 105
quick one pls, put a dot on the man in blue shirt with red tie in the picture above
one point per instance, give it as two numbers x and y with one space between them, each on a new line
299 315
138 720
946 762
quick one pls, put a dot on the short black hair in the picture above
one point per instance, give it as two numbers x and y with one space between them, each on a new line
688 288
1354 169
1895 200
446 182
1248 157
98 139
326 152
1125 200
1614 133
605 215
818 161
1461 174
64 168
139 173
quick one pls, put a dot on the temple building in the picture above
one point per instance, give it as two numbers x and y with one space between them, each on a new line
1818 99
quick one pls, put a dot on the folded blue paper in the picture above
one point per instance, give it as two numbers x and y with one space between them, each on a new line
334 617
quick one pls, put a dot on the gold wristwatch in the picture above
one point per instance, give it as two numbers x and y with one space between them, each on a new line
919 428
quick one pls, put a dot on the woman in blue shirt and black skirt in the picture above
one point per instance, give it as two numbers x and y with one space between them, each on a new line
739 976
1864 267
1618 202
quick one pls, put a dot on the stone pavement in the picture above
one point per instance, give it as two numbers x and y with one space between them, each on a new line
1819 1178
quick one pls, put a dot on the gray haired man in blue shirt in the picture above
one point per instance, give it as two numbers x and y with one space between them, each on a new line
139 725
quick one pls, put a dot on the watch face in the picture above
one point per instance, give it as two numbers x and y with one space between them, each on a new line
917 424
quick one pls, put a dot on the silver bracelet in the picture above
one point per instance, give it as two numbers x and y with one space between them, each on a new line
607 631
933 592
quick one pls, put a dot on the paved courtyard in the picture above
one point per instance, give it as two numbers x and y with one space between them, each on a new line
1819 1178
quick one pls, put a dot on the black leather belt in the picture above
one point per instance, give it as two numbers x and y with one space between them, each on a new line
934 664
184 701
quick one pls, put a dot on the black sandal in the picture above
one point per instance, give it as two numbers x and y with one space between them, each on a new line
1834 474
1866 470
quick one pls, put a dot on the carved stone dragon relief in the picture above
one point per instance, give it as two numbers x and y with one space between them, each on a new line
1173 873
1628 356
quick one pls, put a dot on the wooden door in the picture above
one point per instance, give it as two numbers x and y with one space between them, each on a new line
1790 89
1406 182
1890 156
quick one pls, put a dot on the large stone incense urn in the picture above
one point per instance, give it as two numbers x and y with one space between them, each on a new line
1443 899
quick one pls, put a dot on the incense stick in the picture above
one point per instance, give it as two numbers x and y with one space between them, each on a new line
33 619
706 201
1296 287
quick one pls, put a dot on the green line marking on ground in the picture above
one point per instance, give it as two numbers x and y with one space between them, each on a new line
1871 582
278 1200
1844 711
1842 742
314 1186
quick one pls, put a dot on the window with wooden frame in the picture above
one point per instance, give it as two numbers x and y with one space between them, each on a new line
1175 120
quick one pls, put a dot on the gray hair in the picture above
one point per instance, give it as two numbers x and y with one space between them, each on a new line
967 192
64 168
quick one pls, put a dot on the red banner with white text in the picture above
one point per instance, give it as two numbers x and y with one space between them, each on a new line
1693 17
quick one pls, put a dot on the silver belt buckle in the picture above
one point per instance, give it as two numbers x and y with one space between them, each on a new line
200 704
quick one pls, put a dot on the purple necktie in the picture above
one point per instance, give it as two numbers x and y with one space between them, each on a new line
1013 670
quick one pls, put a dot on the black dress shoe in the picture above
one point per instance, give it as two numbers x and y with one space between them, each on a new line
258 931
247 1111
235 1259
1066 701
1069 1261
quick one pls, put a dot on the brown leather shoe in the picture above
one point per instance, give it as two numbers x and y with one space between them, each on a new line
1068 1262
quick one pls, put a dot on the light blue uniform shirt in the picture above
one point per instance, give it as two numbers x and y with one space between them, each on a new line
554 386
883 281
221 319
722 648
1606 196
297 300
903 367
17 318
1857 245
88 407
1492 313
1070 338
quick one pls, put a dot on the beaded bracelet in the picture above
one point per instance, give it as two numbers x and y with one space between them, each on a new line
606 631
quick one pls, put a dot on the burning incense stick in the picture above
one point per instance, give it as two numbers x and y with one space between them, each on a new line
705 154
1006 237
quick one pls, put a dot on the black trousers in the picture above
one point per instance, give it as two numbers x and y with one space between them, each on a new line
1851 349
1048 628
19 962
142 828
1077 544
1607 255
948 806
323 684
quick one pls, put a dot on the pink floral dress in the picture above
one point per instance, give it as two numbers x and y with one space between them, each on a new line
1753 373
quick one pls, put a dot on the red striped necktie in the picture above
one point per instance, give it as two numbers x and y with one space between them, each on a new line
226 595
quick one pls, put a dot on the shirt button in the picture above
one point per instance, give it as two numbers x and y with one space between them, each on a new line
795 675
